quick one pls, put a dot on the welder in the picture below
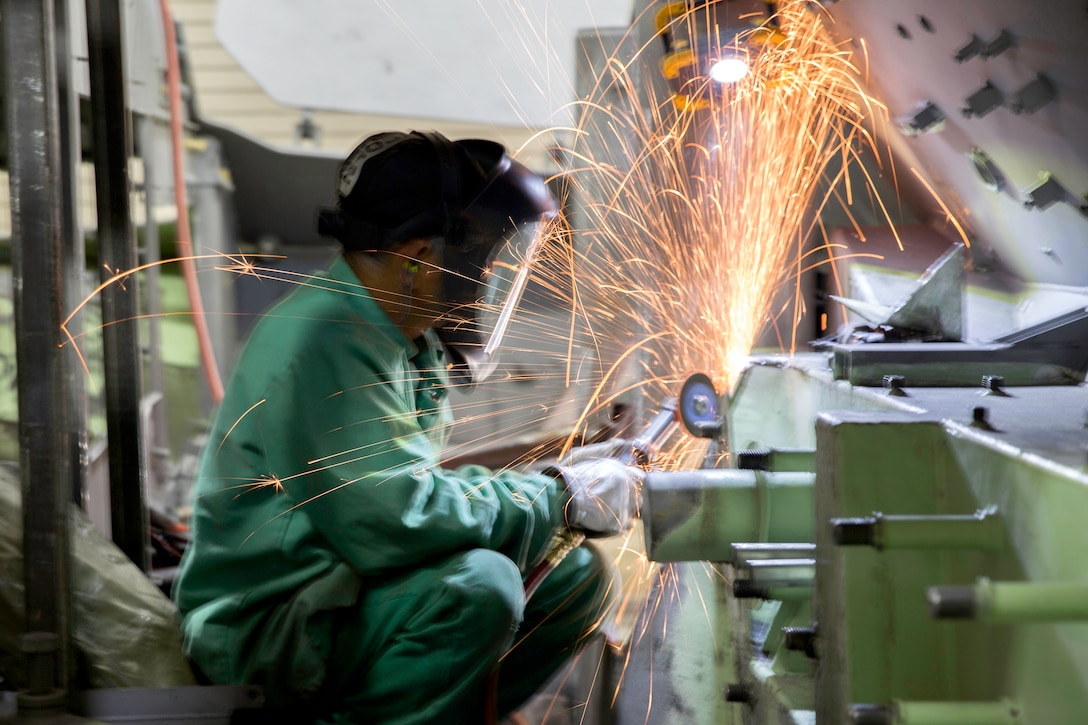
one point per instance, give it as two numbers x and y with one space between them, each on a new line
334 562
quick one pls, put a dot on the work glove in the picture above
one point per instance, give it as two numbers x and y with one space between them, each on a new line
604 495
610 448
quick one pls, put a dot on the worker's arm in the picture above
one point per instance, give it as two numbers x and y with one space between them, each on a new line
368 477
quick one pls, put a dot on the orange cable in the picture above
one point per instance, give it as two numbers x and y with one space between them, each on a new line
184 234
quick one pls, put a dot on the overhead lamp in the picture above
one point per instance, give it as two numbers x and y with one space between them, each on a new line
729 69
709 43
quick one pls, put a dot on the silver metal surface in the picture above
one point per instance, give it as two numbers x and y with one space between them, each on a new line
916 65
934 307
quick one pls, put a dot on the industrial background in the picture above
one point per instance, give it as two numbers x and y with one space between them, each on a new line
873 508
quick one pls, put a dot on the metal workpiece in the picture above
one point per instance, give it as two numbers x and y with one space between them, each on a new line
644 447
699 515
780 460
1010 602
982 530
1054 352
748 551
933 310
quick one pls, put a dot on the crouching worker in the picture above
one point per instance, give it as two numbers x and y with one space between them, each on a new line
333 561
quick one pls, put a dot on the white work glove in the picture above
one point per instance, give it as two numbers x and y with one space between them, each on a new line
604 495
604 449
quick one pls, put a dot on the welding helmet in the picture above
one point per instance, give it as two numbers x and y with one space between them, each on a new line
486 213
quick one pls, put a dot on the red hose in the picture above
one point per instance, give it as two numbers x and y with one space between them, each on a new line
184 234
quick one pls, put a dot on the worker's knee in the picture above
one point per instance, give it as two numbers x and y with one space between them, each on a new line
487 587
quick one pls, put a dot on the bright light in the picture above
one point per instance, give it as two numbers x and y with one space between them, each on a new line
728 70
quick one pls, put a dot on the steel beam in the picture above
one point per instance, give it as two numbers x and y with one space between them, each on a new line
45 369
110 130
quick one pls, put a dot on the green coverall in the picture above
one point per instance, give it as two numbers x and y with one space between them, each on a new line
336 564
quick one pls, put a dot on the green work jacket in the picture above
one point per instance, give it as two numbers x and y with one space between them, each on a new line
322 472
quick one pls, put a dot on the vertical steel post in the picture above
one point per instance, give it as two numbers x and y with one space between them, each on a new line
73 258
73 249
36 176
110 129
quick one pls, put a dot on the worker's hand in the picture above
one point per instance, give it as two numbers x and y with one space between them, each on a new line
604 495
611 448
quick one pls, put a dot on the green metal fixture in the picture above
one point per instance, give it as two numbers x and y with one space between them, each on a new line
1010 602
902 712
981 530
699 515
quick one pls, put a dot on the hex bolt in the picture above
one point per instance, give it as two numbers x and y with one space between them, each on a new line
980 418
994 385
1033 96
1010 602
952 602
998 45
894 385
747 589
854 532
974 47
984 100
800 639
871 715
738 692
1047 192
923 120
754 459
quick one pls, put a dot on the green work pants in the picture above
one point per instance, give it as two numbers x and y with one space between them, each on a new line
421 647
